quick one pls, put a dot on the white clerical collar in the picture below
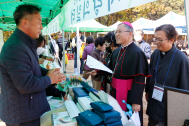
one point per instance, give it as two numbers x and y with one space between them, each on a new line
163 53
126 45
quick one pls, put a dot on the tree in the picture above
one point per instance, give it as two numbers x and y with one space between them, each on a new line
153 11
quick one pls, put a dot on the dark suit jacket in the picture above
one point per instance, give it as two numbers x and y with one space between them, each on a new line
22 80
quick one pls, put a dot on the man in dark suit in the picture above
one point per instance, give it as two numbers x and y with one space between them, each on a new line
59 42
22 81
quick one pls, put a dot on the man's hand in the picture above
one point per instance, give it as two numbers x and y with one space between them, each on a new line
136 108
65 97
93 73
146 96
41 61
56 76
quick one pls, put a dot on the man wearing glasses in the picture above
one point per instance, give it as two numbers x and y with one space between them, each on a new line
130 67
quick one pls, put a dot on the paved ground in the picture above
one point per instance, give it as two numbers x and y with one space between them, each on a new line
70 68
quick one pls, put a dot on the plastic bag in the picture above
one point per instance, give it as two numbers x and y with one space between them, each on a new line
130 123
81 50
66 59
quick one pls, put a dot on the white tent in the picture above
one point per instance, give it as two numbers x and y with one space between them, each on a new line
171 18
114 26
143 23
89 26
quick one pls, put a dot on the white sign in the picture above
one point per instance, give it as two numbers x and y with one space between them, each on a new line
76 11
95 64
54 26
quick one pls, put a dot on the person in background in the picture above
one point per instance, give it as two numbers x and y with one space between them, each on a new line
97 53
87 50
185 46
23 81
111 45
82 41
51 90
145 47
178 46
169 67
41 49
59 42
53 47
130 67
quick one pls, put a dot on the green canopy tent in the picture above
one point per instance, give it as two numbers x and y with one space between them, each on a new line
7 27
50 9
71 11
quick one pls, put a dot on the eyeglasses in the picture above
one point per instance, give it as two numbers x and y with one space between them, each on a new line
119 32
159 40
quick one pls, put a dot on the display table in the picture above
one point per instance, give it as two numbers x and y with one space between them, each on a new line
75 86
56 105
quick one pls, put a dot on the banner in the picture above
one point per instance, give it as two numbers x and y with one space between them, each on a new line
76 11
54 26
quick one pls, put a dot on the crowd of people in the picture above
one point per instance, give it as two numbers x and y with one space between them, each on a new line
25 85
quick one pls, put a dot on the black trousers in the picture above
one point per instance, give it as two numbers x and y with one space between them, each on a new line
154 122
60 55
31 123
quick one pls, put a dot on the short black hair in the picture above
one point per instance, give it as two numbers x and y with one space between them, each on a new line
169 30
110 38
23 10
99 41
89 40
40 40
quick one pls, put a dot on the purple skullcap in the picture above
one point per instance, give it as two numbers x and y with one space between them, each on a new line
127 23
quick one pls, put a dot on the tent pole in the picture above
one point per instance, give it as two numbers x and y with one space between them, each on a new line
90 33
1 39
48 45
97 35
63 52
69 35
186 7
78 48
185 40
84 33
147 37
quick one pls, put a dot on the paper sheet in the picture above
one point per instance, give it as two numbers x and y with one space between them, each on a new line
95 64
60 116
136 119
45 119
49 97
55 104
